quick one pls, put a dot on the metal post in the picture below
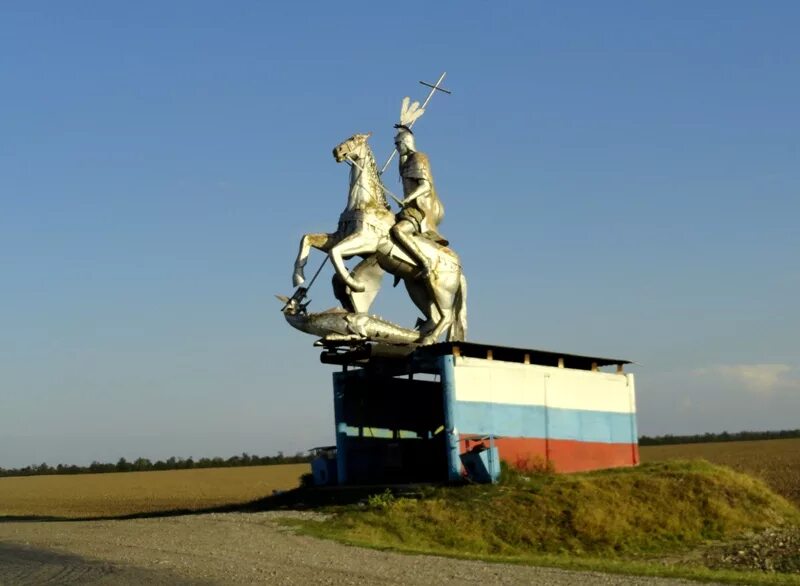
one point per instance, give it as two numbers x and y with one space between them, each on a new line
491 460
339 385
447 371
634 430
546 423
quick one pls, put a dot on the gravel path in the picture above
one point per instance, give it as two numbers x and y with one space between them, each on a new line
22 564
238 548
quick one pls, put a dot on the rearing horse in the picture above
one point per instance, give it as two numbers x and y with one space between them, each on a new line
363 231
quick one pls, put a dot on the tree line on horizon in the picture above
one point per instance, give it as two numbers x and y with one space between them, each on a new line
145 465
245 459
703 438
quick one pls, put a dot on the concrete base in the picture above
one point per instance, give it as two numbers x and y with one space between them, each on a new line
410 419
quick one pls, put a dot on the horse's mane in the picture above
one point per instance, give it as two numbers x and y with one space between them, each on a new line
375 178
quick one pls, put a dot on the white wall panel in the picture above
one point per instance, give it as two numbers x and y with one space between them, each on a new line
495 381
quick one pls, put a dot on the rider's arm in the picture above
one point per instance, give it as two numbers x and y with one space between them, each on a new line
423 188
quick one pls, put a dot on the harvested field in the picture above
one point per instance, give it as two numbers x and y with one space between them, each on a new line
127 493
777 462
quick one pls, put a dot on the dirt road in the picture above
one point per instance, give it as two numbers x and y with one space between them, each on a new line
236 548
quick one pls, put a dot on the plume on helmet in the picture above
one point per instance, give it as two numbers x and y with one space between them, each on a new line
410 112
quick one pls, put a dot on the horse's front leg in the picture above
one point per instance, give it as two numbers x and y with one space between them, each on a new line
320 241
361 242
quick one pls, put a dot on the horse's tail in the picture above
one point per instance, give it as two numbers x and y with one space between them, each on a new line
458 329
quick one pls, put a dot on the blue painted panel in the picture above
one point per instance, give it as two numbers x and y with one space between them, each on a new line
634 429
499 419
591 426
472 417
446 368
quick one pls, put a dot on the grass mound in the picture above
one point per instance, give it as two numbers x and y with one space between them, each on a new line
650 509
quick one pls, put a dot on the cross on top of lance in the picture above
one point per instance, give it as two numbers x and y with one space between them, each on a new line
436 87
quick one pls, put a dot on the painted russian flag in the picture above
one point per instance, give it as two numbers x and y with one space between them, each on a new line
565 418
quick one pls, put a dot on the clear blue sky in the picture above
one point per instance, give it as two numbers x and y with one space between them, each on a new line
620 178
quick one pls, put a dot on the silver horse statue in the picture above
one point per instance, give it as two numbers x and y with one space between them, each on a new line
364 231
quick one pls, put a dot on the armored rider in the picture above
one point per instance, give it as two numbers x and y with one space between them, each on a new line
422 209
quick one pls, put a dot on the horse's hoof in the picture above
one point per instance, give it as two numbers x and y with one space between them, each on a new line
427 341
298 279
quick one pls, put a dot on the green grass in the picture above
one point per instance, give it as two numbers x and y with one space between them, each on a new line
624 520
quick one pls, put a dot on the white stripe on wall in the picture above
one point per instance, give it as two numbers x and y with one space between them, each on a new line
495 381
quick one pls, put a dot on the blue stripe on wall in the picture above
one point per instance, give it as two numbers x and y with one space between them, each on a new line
472 417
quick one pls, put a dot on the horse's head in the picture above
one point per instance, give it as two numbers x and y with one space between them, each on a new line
353 148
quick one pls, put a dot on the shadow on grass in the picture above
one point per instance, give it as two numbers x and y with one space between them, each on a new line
301 498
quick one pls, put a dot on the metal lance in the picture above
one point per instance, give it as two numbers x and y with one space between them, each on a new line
434 88
302 292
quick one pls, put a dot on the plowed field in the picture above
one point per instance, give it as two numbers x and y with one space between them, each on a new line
777 462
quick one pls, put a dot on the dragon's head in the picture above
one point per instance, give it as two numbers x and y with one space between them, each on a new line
292 305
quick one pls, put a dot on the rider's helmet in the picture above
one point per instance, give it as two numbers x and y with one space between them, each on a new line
404 136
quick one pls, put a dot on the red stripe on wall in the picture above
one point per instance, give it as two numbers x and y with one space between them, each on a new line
563 455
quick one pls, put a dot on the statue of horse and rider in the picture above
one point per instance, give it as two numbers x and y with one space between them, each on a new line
406 245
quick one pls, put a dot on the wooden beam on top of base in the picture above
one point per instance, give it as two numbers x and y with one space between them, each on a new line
489 354
594 367
620 369
464 350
